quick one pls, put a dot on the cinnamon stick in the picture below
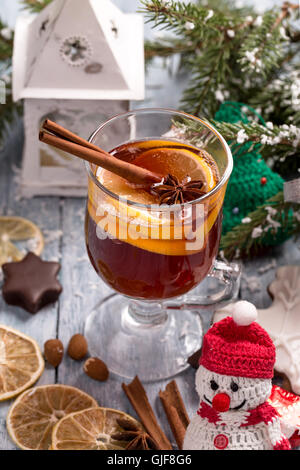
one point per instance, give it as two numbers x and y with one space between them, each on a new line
60 131
138 398
175 411
93 154
176 425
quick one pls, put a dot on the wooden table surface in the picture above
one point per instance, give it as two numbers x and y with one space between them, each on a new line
61 220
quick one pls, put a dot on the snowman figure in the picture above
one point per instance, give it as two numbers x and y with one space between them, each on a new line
234 384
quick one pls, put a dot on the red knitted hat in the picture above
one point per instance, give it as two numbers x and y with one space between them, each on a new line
239 346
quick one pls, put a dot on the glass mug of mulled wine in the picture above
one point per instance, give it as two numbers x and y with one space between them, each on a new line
154 246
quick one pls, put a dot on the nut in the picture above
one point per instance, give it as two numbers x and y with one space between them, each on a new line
78 347
96 369
53 351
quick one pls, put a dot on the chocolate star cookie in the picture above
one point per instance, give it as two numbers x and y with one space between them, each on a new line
31 283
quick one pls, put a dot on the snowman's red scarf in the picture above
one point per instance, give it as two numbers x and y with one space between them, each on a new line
263 413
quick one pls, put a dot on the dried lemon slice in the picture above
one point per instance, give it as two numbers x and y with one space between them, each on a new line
21 362
33 415
90 430
17 237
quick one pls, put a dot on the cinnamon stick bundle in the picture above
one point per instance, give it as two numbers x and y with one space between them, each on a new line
175 411
60 131
55 135
167 187
138 398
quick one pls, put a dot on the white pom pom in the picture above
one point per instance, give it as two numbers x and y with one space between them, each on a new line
244 313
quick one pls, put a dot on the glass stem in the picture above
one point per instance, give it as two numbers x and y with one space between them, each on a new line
147 314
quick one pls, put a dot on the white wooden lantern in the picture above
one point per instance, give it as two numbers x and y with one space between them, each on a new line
77 62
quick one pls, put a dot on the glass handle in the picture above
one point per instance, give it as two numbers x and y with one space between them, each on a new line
220 287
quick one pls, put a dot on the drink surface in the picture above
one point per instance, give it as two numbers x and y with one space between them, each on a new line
162 157
144 263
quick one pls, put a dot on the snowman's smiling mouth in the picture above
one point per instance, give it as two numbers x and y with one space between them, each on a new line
235 408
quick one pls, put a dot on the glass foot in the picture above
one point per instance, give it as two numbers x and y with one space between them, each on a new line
139 338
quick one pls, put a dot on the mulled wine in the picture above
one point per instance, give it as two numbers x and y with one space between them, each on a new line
154 237
141 248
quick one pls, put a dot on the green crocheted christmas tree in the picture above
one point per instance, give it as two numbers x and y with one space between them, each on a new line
252 182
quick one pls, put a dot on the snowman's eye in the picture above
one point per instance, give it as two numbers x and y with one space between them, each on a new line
234 387
214 385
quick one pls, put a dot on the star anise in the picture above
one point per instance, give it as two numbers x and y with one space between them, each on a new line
171 191
137 438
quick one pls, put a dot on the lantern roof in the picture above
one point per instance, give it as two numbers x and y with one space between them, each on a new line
79 49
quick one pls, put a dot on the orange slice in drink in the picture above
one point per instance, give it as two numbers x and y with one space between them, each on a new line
33 415
141 227
178 162
90 429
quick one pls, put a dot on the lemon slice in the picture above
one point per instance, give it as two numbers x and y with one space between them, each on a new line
90 430
33 415
17 237
21 362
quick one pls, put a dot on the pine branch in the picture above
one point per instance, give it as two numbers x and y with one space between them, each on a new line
286 9
273 216
6 43
229 53
35 6
262 49
208 73
183 19
210 35
167 47
9 113
284 138
218 67
295 36
257 133
228 7
246 46
10 110
279 100
279 142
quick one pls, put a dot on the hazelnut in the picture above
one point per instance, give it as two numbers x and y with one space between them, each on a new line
78 347
96 369
53 351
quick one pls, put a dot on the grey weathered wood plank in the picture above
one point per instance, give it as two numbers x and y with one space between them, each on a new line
82 287
45 212
259 272
82 290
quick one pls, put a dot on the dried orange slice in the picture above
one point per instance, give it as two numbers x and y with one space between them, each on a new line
90 430
21 362
33 415
17 237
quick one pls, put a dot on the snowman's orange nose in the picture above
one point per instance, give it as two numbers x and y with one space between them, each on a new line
221 402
